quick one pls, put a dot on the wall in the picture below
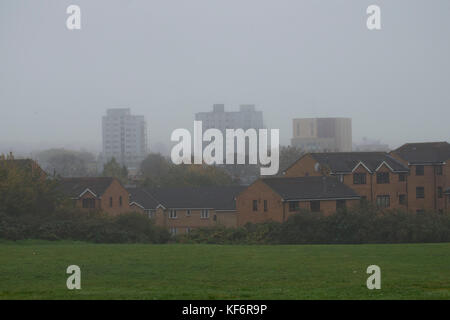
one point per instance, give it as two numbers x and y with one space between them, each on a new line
116 190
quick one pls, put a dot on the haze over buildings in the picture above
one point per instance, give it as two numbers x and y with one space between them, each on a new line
124 137
170 59
246 118
322 134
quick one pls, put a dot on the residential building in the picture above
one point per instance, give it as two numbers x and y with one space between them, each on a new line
429 176
141 200
124 137
99 193
275 199
367 145
246 118
183 209
29 165
447 200
376 176
322 134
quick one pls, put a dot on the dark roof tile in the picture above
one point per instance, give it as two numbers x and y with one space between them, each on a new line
310 188
423 153
73 187
211 197
340 162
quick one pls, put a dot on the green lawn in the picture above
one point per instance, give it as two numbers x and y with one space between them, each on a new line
36 270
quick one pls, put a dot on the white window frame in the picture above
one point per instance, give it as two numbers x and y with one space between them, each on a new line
173 214
204 214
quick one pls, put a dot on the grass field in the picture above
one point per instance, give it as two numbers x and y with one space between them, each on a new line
36 270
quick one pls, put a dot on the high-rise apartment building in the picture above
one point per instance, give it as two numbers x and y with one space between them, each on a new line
124 137
322 134
246 118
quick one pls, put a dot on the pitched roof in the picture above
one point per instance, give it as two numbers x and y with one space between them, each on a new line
211 197
142 197
344 162
310 188
427 152
74 187
25 164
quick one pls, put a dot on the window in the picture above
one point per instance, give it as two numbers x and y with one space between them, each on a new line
340 204
255 205
420 211
439 170
402 177
420 192
383 201
439 192
89 203
172 214
110 202
315 206
419 170
382 177
215 218
265 205
150 213
402 199
359 178
341 178
294 206
173 231
120 201
188 213
204 214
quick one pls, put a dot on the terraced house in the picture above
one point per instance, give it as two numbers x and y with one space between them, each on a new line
376 176
275 199
429 178
182 209
99 193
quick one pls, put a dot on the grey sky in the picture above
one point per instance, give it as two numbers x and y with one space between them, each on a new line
170 59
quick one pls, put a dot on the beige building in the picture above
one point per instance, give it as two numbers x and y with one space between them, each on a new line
322 134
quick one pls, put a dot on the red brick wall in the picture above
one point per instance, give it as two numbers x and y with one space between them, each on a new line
258 191
276 209
430 181
303 167
116 190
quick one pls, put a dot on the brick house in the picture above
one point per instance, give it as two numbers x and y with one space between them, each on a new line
24 164
141 200
376 176
275 199
99 193
447 200
185 208
429 174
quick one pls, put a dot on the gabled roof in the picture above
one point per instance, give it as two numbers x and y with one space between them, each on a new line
346 162
310 188
423 153
211 197
25 164
75 187
142 198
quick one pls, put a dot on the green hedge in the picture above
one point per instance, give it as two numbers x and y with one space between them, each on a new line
82 226
364 225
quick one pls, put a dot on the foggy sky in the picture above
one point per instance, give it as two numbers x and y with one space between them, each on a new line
169 59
